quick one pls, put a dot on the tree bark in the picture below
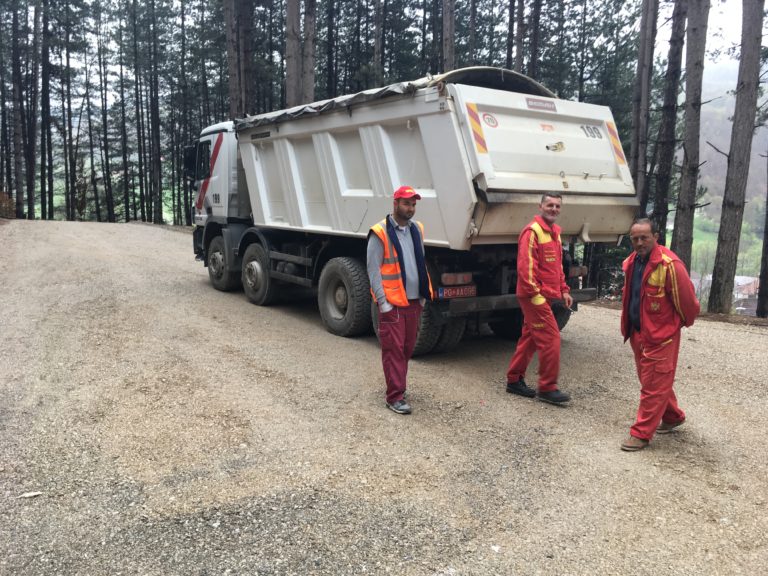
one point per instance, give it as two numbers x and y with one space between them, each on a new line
97 203
154 111
641 102
292 53
18 112
103 95
533 62
308 50
762 292
330 50
124 125
449 33
45 117
696 37
31 116
721 292
667 143
508 63
378 42
519 36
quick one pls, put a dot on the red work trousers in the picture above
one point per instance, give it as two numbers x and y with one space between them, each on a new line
540 334
656 365
397 333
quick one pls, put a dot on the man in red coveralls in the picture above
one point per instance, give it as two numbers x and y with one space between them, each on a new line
540 282
400 285
657 301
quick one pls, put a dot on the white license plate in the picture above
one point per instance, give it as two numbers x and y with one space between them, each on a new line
457 292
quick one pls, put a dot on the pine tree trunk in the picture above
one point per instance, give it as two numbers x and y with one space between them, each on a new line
97 203
449 32
18 113
473 32
154 111
378 42
508 63
667 142
292 53
762 293
519 36
308 49
32 117
45 112
105 149
137 110
721 291
641 102
696 37
124 128
535 29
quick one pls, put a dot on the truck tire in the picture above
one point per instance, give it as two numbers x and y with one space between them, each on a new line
221 277
511 327
429 330
344 297
260 288
450 335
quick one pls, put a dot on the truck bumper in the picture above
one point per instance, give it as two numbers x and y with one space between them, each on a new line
465 306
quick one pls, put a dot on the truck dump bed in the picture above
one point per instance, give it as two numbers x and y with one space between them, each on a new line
480 145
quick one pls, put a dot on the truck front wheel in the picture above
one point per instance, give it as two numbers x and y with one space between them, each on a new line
257 284
221 277
344 297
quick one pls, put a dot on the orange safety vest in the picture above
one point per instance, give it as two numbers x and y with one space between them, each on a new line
391 278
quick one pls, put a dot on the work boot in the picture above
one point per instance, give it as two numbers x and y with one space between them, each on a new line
556 397
520 388
667 427
633 444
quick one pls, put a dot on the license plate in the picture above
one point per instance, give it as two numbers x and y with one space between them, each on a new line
457 292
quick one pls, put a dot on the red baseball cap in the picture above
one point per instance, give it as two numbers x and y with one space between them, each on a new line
406 192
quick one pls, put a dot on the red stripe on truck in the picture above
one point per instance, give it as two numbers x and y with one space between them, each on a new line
204 185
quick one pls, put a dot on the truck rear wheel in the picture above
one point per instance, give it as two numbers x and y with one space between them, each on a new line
344 297
221 277
510 327
257 284
429 330
450 335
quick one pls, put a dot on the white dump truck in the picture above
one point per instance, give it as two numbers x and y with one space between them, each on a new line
288 197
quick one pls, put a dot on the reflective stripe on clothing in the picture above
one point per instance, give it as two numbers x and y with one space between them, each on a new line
392 288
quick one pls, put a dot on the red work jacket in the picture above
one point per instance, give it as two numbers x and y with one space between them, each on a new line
540 262
667 298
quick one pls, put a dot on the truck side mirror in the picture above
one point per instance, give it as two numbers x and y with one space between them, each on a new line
190 161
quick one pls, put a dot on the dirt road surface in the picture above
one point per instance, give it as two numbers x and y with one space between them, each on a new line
152 425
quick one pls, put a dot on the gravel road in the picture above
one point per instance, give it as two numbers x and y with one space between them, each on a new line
152 425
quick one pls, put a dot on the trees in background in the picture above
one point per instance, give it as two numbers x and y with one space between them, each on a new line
682 237
721 291
99 98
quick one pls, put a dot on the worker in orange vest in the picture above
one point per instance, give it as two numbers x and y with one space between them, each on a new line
400 285
540 283
657 301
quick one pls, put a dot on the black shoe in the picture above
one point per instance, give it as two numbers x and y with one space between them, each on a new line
521 388
400 407
557 397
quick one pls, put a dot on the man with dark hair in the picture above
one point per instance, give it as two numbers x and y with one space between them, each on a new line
400 285
657 301
540 282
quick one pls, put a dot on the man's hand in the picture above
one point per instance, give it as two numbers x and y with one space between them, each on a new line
568 299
